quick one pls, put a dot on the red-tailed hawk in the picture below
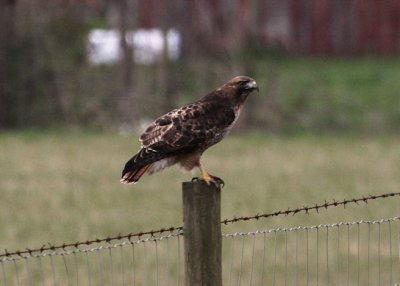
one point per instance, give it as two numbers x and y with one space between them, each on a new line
183 134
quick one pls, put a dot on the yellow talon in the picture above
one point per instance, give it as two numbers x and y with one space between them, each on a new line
206 177
209 178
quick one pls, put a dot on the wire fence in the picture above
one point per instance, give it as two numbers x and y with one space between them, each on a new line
365 252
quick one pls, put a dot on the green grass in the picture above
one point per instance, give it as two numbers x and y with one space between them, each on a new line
358 95
61 187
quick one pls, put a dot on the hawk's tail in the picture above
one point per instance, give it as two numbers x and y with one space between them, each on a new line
139 164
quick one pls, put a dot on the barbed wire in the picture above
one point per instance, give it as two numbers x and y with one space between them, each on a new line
179 229
179 233
315 207
94 249
64 246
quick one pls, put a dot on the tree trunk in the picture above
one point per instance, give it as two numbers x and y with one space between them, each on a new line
127 101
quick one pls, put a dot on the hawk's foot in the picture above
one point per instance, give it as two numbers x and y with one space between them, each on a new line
210 179
217 181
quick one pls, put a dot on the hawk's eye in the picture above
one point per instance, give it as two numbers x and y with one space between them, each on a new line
244 84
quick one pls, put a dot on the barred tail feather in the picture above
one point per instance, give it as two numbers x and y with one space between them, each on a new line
139 165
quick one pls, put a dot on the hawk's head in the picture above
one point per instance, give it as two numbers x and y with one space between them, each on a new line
239 88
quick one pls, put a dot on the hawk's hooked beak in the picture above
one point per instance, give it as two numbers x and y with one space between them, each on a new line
252 85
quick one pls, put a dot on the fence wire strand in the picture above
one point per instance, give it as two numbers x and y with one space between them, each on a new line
363 251
152 233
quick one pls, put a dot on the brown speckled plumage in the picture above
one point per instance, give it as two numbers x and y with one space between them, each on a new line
183 134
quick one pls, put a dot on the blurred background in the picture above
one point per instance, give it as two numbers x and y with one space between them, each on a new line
322 65
80 79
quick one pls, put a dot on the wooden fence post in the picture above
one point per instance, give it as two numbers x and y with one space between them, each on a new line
202 234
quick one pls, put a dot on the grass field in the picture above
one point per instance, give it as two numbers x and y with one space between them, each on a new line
61 187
